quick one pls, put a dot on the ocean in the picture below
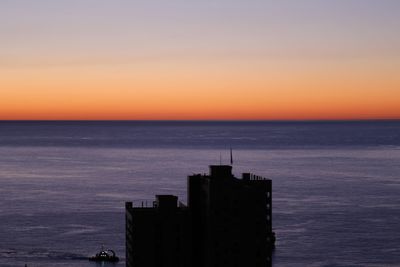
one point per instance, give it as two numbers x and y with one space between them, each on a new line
63 185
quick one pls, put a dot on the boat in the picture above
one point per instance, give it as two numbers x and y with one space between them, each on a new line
106 255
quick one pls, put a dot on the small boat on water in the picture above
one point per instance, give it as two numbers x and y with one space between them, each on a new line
106 255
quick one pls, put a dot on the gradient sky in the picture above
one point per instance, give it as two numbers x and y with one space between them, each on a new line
223 59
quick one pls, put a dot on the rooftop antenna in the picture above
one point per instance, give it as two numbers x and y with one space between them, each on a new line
231 157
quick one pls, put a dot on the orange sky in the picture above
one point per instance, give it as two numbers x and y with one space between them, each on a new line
200 90
198 61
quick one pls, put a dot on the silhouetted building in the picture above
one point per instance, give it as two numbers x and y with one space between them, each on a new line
228 222
159 235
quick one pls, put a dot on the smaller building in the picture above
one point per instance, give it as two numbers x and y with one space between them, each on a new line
158 235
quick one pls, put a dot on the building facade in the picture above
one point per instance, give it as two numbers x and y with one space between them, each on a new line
228 222
159 235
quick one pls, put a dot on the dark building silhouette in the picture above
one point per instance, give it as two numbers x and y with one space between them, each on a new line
158 236
228 222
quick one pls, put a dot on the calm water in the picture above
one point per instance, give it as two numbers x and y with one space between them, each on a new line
63 185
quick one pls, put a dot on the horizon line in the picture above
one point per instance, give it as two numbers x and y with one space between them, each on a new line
200 120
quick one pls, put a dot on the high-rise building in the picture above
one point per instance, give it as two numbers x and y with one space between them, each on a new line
228 222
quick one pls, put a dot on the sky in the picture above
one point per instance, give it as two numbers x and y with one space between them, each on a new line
199 60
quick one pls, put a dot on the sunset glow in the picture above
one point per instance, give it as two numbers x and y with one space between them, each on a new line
264 61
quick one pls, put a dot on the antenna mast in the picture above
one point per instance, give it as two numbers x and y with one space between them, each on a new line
231 157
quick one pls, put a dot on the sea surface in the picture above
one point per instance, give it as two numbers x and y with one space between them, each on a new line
63 185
